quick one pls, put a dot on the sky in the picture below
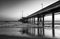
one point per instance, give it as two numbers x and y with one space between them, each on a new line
11 10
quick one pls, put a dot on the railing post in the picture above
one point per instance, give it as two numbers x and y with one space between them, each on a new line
53 31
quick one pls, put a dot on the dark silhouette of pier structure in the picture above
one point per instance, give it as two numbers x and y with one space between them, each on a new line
51 9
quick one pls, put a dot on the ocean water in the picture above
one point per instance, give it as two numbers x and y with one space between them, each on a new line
12 29
48 32
16 31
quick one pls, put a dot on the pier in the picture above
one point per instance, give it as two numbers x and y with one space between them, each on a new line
52 10
33 26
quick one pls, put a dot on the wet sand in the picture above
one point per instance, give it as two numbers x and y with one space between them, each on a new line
10 31
19 37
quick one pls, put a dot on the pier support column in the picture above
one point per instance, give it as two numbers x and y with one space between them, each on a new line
43 24
34 23
38 24
40 21
40 29
34 20
30 20
53 31
27 20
